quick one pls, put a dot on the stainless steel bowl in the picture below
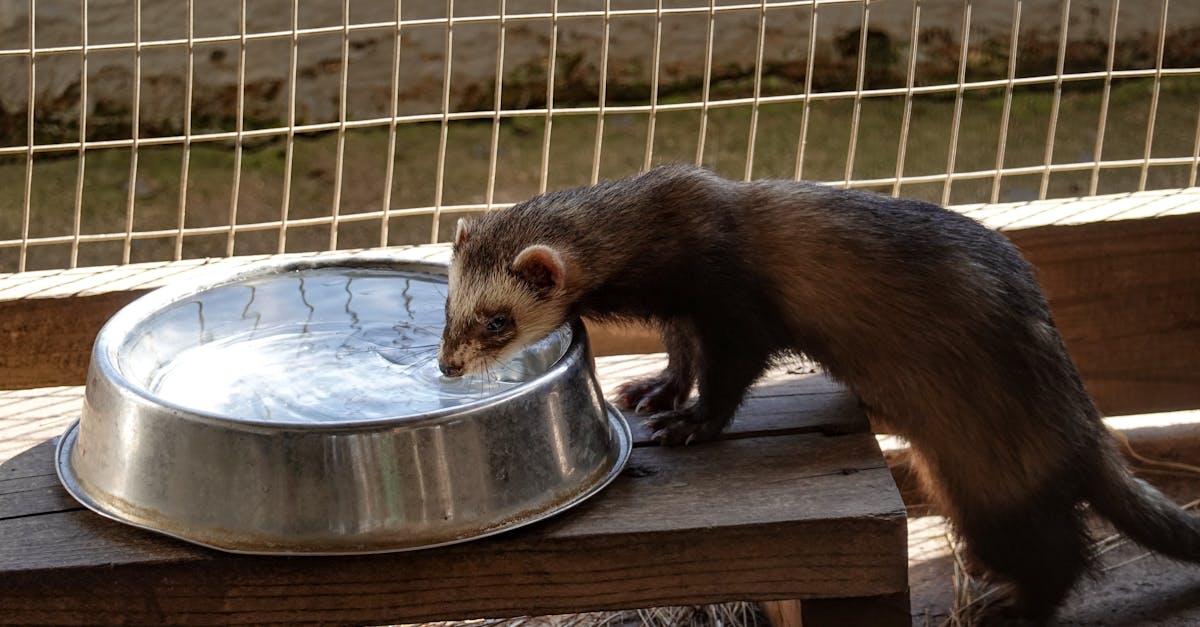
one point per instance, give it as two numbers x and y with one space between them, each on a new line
206 419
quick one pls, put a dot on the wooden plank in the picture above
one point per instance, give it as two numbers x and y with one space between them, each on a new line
1084 210
48 341
781 402
144 276
1126 297
890 610
1121 272
49 320
29 485
782 613
814 516
882 611
29 417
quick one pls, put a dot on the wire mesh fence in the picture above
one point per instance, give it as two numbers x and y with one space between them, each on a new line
137 130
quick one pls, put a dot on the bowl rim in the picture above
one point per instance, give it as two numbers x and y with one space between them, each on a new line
104 354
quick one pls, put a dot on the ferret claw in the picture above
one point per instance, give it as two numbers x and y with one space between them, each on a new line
679 427
667 438
653 394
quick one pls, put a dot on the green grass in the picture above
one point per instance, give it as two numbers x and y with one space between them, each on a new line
211 166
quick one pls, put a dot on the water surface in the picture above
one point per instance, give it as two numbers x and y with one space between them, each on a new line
324 345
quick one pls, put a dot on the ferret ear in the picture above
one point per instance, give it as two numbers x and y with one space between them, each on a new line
542 267
462 230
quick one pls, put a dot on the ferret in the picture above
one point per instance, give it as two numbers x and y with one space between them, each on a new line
935 321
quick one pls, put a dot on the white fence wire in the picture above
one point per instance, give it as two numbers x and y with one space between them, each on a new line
924 103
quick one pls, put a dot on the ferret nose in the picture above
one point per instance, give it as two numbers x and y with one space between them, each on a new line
449 369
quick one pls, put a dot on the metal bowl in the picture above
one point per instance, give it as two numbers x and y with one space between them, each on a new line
294 407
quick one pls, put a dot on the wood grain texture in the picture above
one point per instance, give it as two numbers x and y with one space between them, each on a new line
527 572
890 610
783 401
883 611
782 613
48 341
1015 216
776 515
1126 297
781 479
813 517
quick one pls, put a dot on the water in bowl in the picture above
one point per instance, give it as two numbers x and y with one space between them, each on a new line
320 345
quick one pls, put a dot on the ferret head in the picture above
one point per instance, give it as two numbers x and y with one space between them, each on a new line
499 302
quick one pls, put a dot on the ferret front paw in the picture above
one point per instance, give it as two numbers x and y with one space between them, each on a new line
652 394
681 426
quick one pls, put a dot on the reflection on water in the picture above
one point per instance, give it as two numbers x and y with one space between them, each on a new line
326 344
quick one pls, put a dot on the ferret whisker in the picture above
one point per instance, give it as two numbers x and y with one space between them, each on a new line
495 366
421 350
491 381
507 367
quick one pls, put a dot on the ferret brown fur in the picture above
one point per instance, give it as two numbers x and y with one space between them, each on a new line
935 321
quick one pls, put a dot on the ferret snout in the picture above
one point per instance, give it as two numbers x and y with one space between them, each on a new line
449 362
450 369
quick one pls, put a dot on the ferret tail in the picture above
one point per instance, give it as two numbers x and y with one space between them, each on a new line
1141 512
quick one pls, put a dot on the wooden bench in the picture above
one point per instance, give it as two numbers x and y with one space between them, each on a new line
796 503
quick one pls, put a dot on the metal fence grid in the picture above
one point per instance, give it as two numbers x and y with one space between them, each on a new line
496 111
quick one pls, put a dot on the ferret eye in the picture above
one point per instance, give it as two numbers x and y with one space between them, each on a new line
496 324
